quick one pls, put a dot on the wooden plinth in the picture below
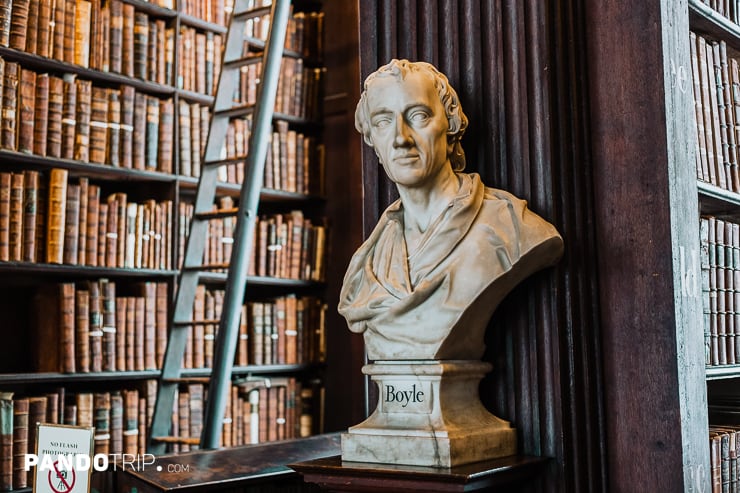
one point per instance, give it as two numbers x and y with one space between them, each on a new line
332 474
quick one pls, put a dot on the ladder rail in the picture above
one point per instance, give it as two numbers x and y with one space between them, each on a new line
225 344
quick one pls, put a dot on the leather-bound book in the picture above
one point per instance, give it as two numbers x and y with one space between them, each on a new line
58 31
101 421
99 125
93 225
32 26
85 403
72 225
116 423
5 184
26 108
140 124
54 117
166 136
82 330
150 325
41 115
141 45
109 324
128 51
67 327
116 36
16 217
82 115
95 324
6 7
6 441
82 221
130 421
43 35
152 133
19 24
128 97
70 16
11 78
20 442
30 208
69 117
83 13
114 128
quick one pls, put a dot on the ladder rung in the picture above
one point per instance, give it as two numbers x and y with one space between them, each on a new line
251 13
205 267
242 62
186 323
217 214
183 440
187 380
242 110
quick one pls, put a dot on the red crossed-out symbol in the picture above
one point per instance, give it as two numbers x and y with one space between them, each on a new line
61 481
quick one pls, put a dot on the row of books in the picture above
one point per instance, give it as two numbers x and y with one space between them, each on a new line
258 410
199 60
716 83
720 284
59 221
284 330
193 119
120 419
124 40
299 93
66 117
724 447
84 327
214 11
287 246
727 8
305 33
294 163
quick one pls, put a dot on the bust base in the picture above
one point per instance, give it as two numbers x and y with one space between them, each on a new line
428 414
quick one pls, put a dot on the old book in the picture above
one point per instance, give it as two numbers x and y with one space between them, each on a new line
56 213
139 332
70 414
99 125
161 313
72 224
93 225
26 109
85 404
43 35
130 347
67 328
6 441
121 313
128 98
198 330
113 148
5 184
151 56
19 24
130 421
95 326
11 78
116 36
70 17
58 29
82 115
111 232
116 423
141 45
149 344
52 408
122 201
82 331
54 117
107 323
69 117
20 441
186 167
83 12
152 133
84 183
5 16
140 125
16 217
101 421
30 201
209 330
32 26
41 115
197 401
128 40
36 415
165 151
183 412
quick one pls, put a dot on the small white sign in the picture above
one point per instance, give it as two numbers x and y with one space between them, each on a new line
64 454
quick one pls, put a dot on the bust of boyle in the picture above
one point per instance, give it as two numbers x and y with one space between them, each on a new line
441 258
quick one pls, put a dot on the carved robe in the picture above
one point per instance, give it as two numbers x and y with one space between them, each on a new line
436 303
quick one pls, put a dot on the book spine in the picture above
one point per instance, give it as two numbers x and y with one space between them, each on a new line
102 419
41 115
114 128
82 331
70 7
5 19
20 442
6 441
82 127
11 78
72 225
19 24
16 217
30 201
43 42
69 117
5 185
67 319
99 125
152 133
26 110
83 13
54 117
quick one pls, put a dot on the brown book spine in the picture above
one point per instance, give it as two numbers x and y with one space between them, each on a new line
30 203
11 78
67 339
108 323
52 408
57 35
99 125
102 411
139 147
161 304
130 421
54 119
128 99
32 26
82 331
141 45
36 414
114 128
5 17
93 223
183 412
116 424
6 441
55 217
5 184
82 221
19 24
16 217
26 110
151 52
95 324
41 115
83 13
85 404
72 225
111 234
83 113
43 40
20 442
150 326
199 313
166 136
116 36
139 332
209 330
121 199
130 333
102 233
196 411
128 52
69 117
70 16
121 331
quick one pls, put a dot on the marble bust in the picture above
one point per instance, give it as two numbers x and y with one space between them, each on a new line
425 283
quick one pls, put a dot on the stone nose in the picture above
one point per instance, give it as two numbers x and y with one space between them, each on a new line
402 136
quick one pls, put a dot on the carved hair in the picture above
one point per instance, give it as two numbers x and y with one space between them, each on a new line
457 122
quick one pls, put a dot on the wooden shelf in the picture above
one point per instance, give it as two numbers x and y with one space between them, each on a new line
708 21
264 282
152 9
722 372
195 97
190 21
266 195
26 268
57 378
717 201
253 370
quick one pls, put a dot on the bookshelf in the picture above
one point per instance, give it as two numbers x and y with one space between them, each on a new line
149 71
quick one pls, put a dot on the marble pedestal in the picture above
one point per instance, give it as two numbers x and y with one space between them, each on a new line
429 414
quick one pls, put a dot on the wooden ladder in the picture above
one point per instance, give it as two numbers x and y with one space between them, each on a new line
193 267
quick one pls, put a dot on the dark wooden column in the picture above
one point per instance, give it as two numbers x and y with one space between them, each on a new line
522 83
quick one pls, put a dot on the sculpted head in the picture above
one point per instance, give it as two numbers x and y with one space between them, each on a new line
423 78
